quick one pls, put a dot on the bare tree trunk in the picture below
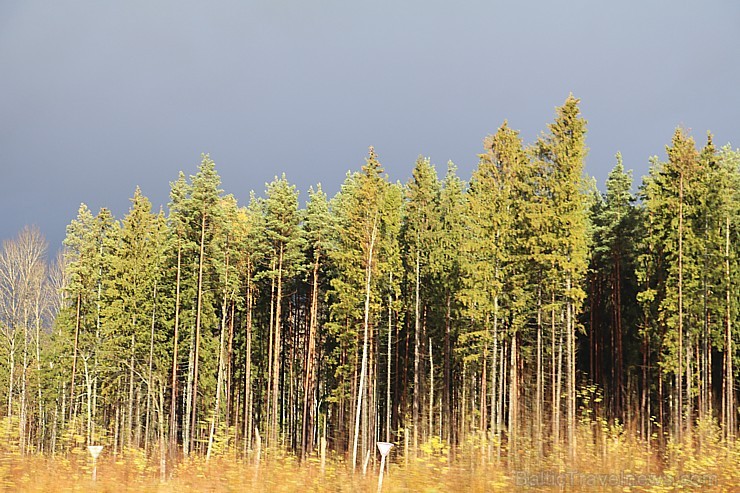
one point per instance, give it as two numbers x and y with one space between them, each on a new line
220 377
495 375
160 416
679 374
117 427
274 428
388 406
558 388
363 367
308 384
173 401
500 400
619 364
230 412
729 381
513 400
42 418
447 391
571 393
248 366
199 308
149 375
88 399
24 387
554 385
74 363
540 398
188 398
130 415
270 351
431 390
417 350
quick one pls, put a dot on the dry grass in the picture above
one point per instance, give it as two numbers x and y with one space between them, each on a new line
613 462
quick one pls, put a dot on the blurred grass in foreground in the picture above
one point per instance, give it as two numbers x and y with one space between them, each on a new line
609 460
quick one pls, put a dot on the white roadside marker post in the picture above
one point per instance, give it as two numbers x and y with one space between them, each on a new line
95 452
384 448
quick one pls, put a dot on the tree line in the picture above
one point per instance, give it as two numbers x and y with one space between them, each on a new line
499 314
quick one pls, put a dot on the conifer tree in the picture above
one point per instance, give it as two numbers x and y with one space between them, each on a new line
317 227
201 212
362 219
447 265
419 237
665 193
129 295
613 252
285 249
252 251
176 222
563 150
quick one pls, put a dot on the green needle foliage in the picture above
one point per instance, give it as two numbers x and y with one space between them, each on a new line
522 317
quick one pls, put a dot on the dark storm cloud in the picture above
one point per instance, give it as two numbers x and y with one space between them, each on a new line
98 97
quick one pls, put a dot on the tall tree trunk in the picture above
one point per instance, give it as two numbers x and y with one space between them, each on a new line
230 413
149 391
188 398
554 385
248 366
366 328
198 311
175 339
270 351
679 376
274 428
618 360
220 378
513 400
308 384
42 417
24 387
559 388
130 415
571 382
74 364
447 391
431 390
417 350
729 380
160 427
388 406
540 397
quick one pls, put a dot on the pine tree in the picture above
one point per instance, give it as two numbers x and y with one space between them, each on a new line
201 213
177 224
285 244
317 227
252 251
419 237
613 285
665 199
563 151
228 281
364 226
447 266
726 213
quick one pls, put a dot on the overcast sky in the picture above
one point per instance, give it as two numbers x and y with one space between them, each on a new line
97 97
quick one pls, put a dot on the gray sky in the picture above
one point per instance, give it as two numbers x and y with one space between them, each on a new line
98 97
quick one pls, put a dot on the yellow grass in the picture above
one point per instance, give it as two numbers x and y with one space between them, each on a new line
613 462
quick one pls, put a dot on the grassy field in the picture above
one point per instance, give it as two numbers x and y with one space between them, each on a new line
611 464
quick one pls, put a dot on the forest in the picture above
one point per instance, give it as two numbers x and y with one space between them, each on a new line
522 320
